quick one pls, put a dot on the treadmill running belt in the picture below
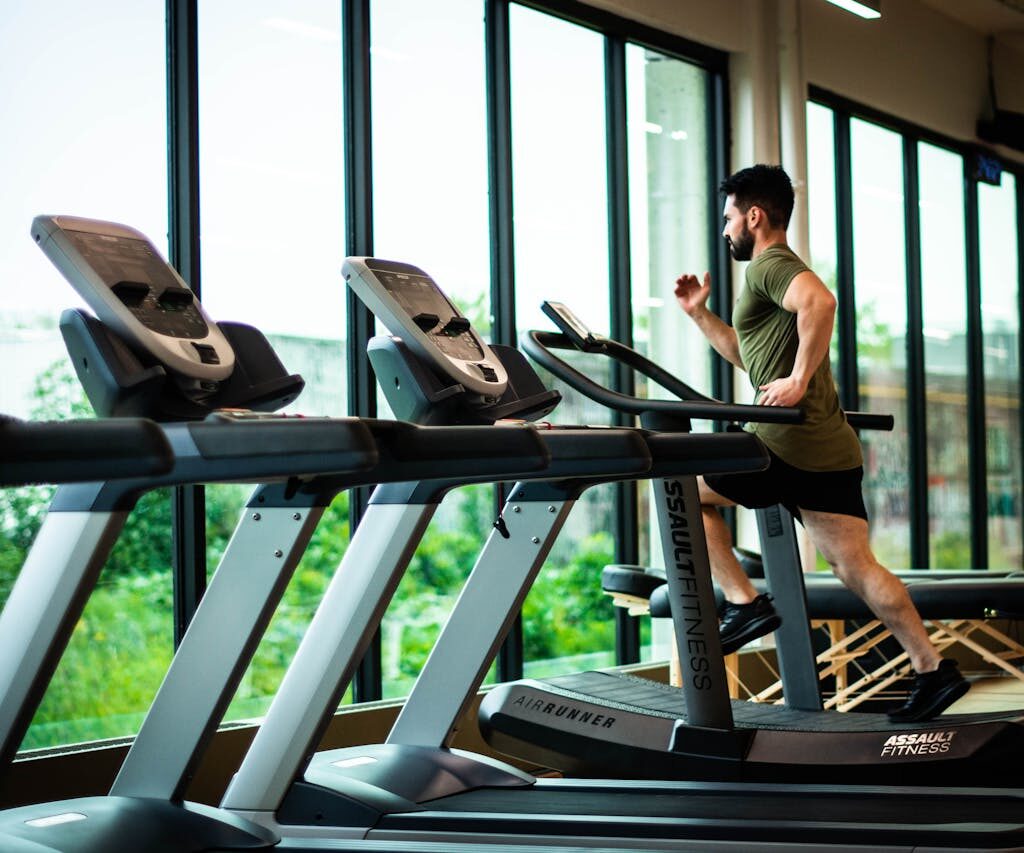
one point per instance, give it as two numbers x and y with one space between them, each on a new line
629 693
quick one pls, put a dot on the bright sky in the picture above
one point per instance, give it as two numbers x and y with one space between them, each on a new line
86 136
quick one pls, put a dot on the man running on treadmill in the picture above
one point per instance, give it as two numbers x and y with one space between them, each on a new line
782 326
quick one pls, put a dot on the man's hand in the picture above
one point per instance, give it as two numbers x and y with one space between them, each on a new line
691 295
787 391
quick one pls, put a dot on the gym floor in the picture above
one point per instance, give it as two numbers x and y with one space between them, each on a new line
990 693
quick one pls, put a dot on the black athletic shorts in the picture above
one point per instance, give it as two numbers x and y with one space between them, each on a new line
781 483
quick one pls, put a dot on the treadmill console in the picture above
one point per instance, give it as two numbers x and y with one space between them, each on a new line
412 307
137 294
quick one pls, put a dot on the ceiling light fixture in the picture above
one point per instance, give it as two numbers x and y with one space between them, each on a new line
863 8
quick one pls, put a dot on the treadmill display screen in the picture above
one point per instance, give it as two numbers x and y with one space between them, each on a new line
418 295
127 265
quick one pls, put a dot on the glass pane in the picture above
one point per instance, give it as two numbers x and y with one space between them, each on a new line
880 287
430 205
560 199
999 236
271 169
670 196
559 164
944 308
271 183
96 150
821 203
430 208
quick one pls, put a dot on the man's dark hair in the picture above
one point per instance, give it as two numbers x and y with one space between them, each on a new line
768 187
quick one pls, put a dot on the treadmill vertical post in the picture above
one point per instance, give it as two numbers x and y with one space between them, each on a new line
348 615
47 599
486 608
692 602
781 559
690 592
211 660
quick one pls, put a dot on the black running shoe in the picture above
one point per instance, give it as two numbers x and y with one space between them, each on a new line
742 623
932 693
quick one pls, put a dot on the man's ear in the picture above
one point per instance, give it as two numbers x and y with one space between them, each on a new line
755 216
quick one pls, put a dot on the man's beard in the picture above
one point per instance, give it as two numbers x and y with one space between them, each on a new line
742 249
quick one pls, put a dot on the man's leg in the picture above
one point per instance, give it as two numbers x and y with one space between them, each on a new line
843 542
725 568
746 615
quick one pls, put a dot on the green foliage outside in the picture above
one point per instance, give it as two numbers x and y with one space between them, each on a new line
563 616
122 645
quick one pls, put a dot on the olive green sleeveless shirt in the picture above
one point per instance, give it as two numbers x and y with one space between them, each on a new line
768 343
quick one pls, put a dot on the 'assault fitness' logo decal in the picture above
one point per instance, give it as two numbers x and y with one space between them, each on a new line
917 743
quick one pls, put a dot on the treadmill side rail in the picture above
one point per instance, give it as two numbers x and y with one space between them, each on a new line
336 639
47 600
482 615
232 616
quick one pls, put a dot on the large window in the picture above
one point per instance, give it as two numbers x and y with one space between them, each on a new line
84 109
999 235
485 141
561 240
931 276
272 220
944 328
880 288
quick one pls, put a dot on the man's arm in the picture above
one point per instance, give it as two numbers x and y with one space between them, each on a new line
693 299
815 309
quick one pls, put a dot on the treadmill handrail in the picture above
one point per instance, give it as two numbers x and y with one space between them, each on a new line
668 381
80 450
538 345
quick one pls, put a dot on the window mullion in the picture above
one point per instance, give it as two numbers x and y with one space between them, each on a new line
627 628
849 379
916 402
977 457
188 503
362 396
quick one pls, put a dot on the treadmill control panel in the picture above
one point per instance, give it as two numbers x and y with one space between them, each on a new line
412 307
132 289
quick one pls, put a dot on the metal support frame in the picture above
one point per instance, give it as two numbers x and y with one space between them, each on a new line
46 601
781 558
692 604
483 614
242 597
347 618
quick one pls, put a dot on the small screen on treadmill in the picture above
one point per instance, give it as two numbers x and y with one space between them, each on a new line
417 295
117 259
